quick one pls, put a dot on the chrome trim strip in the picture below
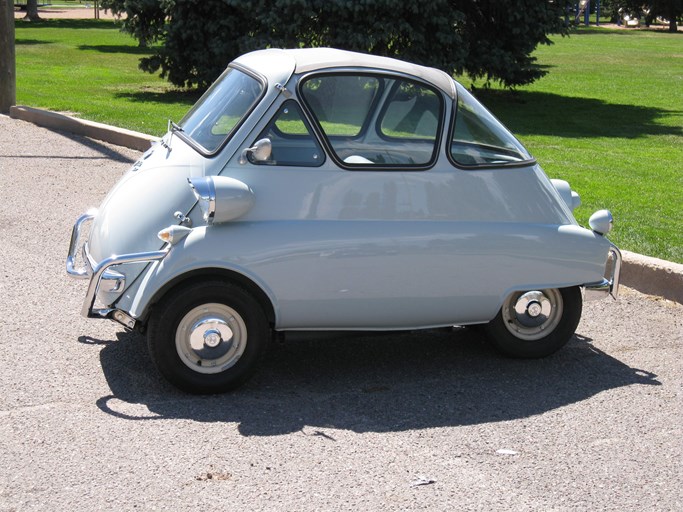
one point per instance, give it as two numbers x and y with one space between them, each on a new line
78 273
98 273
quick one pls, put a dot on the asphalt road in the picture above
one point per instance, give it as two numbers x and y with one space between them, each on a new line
424 421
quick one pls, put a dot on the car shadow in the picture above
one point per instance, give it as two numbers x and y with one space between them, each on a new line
370 383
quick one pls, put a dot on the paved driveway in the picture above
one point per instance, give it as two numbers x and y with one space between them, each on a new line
425 421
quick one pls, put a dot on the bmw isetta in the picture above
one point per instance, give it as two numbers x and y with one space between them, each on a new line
319 189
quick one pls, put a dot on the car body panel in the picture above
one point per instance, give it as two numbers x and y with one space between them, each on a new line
325 274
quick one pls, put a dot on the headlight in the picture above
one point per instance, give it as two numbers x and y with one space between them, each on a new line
221 199
601 222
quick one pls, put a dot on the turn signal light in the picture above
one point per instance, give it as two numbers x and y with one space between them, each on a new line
173 234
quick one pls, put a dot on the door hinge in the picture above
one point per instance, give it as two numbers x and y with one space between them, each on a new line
283 90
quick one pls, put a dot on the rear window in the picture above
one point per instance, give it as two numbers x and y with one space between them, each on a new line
479 139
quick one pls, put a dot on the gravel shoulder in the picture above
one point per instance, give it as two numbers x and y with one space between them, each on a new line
421 421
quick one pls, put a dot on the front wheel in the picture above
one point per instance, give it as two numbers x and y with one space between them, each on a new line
536 323
208 337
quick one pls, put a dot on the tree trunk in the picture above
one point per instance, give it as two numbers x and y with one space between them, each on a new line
672 18
32 11
7 60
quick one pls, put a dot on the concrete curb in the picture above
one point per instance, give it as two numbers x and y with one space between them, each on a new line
106 133
643 273
652 276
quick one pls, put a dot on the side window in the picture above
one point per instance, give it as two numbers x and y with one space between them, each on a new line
479 139
372 120
341 103
412 112
291 138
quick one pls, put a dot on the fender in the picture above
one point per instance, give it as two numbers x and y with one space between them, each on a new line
189 256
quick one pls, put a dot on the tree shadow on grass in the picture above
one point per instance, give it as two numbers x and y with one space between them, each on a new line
70 23
187 97
31 42
540 113
117 48
388 382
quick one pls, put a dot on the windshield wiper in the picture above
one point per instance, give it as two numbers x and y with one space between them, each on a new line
172 127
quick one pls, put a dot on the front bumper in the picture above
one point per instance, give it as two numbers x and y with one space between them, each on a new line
608 286
101 276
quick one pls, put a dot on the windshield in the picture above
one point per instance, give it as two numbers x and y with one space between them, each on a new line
213 118
479 139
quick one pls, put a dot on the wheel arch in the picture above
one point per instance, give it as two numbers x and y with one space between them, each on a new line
213 273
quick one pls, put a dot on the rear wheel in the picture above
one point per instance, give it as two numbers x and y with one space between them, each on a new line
208 337
536 323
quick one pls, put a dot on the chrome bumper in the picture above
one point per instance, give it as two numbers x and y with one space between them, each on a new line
600 290
100 275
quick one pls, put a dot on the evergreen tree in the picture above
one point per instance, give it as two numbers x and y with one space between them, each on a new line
488 39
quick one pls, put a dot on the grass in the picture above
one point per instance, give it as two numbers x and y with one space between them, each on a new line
90 68
607 118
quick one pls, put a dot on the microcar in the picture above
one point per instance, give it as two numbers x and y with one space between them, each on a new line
322 190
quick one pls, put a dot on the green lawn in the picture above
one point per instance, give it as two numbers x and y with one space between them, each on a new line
608 117
90 68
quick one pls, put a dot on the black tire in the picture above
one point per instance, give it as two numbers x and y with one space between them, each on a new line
208 337
544 321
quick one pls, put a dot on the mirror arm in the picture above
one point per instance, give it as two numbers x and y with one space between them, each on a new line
245 155
259 145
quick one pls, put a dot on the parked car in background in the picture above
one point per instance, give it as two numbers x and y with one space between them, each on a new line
319 189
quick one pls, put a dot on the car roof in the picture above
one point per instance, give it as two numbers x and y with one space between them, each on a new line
306 60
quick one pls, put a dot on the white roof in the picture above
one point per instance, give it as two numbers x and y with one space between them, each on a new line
311 59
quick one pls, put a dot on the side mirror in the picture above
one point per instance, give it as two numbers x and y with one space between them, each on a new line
260 151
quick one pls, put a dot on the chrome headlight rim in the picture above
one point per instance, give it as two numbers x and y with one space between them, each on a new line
204 190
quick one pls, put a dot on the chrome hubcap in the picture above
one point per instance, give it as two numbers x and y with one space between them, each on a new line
534 309
532 315
211 338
